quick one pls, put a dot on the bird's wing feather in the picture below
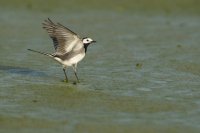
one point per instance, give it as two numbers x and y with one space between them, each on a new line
63 38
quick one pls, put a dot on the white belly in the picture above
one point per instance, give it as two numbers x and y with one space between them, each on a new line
71 61
76 59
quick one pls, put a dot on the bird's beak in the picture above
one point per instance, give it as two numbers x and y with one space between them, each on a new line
94 41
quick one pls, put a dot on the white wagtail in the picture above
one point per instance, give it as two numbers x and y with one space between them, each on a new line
69 47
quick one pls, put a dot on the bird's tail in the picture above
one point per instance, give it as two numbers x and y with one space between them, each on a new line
47 54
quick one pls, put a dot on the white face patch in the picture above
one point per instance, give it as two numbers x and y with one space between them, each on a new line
87 40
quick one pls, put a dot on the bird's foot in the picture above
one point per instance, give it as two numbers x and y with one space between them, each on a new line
65 80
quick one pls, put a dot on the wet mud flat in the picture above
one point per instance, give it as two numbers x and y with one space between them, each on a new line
142 76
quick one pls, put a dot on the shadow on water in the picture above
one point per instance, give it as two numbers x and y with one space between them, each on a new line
22 71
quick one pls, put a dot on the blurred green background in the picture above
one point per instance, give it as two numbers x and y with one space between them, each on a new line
142 76
163 6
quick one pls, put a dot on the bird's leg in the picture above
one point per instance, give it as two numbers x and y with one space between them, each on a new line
64 70
74 68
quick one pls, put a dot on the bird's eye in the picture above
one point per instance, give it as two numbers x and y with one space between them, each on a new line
87 40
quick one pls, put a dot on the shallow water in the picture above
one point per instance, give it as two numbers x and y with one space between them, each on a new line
142 76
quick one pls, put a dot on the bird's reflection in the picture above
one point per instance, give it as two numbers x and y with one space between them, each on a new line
22 71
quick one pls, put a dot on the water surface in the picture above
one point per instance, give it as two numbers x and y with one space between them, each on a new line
142 76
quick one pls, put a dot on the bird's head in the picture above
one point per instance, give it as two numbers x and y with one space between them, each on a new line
88 41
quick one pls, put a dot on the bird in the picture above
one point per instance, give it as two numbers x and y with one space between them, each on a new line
70 48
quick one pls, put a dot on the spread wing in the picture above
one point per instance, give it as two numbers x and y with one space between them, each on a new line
63 38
